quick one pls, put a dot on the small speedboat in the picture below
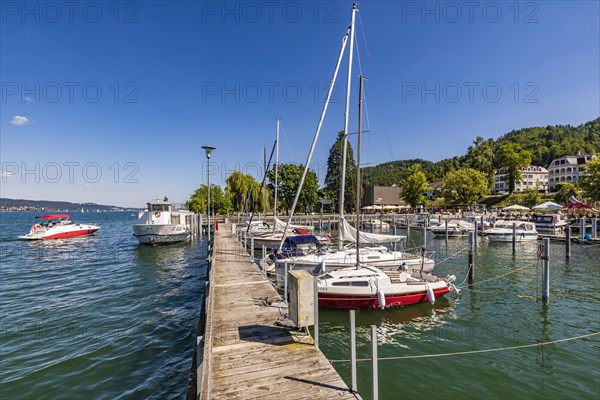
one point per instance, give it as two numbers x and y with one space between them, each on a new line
455 228
370 287
503 231
57 226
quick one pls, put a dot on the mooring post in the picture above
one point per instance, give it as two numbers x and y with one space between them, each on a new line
285 281
582 228
446 226
594 227
424 234
568 241
316 333
475 230
252 248
514 236
323 267
546 271
374 375
353 386
481 226
471 258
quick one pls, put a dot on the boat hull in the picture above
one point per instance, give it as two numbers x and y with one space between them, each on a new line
61 232
154 235
508 237
344 301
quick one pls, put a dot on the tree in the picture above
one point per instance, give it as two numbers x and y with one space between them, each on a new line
512 156
590 183
334 173
480 157
465 186
198 200
289 179
244 192
527 198
563 191
414 186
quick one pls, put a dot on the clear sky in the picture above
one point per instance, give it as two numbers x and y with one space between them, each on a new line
110 102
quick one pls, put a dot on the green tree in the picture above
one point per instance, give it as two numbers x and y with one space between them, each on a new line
590 183
198 200
243 189
480 157
414 186
527 198
334 173
465 186
512 156
289 179
563 191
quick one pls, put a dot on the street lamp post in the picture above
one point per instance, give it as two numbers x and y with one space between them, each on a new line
208 149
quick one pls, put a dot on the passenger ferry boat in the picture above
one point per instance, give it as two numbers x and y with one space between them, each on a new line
160 224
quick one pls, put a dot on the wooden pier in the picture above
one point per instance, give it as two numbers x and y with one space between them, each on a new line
247 354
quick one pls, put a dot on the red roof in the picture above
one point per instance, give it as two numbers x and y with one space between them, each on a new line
53 216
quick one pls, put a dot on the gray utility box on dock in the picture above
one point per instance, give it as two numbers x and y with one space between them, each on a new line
301 308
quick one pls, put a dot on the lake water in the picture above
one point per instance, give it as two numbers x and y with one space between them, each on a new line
102 317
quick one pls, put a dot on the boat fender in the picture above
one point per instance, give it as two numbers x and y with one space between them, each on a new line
157 214
381 298
430 293
451 278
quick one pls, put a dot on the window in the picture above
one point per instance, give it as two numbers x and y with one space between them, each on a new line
341 283
360 283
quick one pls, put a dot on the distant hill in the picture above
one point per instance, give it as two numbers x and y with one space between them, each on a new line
546 144
49 205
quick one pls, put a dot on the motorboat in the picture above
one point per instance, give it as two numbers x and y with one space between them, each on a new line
57 226
271 240
553 224
456 228
503 231
370 287
160 224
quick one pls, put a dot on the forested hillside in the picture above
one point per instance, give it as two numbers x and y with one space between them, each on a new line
545 144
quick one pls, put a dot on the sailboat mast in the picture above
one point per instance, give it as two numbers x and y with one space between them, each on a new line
276 171
360 97
346 116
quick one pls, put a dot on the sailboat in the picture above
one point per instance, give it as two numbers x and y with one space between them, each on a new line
367 286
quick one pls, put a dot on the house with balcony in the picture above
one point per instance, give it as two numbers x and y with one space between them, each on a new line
533 178
568 169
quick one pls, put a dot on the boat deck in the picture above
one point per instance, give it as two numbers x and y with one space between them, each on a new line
247 356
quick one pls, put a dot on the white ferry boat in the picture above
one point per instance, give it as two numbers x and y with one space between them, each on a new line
160 224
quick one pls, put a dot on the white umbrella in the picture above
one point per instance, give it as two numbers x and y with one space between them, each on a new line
515 207
549 205
368 208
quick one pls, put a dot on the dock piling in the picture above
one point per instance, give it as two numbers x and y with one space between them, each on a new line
446 229
514 236
546 270
374 372
316 329
594 227
568 241
285 282
252 248
471 258
353 386
582 228
475 225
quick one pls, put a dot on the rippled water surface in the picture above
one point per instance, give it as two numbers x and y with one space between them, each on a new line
98 316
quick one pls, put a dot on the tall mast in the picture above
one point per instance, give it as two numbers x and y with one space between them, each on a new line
276 171
346 116
264 186
360 97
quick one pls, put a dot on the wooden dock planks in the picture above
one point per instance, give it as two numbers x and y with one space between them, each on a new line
246 356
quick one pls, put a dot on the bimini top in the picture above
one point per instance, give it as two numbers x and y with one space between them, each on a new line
53 216
303 239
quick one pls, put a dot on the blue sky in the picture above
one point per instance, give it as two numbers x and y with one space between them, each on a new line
111 102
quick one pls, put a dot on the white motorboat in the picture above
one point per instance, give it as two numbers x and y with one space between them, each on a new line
57 226
456 228
159 224
503 231
369 287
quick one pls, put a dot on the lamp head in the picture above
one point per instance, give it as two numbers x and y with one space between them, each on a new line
208 149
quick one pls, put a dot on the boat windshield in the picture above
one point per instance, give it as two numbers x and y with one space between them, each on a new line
159 207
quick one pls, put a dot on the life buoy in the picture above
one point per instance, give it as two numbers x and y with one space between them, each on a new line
157 214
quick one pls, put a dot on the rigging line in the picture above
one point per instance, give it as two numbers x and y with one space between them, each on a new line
458 353
286 141
362 29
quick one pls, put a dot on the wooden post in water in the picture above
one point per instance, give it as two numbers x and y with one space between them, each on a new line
568 241
425 234
353 386
594 227
582 228
546 271
514 236
374 372
471 258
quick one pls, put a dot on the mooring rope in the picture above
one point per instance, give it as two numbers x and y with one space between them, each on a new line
494 278
458 353
452 256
